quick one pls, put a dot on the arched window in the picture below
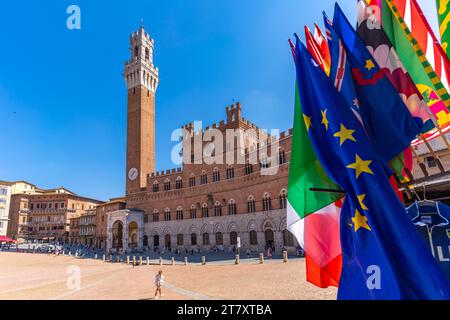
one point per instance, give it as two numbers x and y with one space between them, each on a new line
283 199
288 238
231 207
251 208
167 185
192 180
233 238
217 209
253 238
216 175
205 211
155 215
179 213
193 212
267 202
264 163
155 186
281 156
136 51
167 214
219 239
230 172
193 239
156 240
205 237
180 239
203 178
179 183
248 168
147 54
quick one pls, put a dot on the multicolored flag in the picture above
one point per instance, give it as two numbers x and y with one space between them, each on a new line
387 121
443 8
322 42
418 25
376 41
312 216
317 51
377 261
415 61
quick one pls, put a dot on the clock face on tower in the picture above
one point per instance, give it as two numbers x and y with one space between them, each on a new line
133 174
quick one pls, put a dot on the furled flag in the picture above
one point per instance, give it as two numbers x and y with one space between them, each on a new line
414 60
388 123
443 7
312 216
322 42
340 71
376 41
317 51
382 252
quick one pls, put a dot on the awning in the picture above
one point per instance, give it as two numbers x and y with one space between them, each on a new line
6 239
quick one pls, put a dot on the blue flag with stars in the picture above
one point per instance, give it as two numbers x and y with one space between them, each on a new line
388 121
383 255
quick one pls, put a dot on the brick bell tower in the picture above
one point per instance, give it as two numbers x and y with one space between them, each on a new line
141 78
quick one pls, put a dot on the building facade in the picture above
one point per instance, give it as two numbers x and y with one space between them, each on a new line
101 226
210 201
88 222
45 214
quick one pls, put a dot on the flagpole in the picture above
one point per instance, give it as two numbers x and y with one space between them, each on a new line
421 164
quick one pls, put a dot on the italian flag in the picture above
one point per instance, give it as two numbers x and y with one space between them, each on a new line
313 217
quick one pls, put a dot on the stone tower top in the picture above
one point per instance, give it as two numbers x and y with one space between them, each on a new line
140 70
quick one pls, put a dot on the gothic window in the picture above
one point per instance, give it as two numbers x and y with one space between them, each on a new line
179 213
193 239
264 163
147 54
283 199
167 185
156 186
248 168
267 202
193 212
253 238
281 156
179 183
205 211
232 207
219 238
216 175
205 239
251 208
167 214
136 51
217 209
230 172
233 238
179 239
192 181
204 178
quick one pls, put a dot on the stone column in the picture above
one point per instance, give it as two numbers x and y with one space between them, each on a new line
141 238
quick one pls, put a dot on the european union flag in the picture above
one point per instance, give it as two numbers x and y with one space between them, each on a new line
383 255
389 123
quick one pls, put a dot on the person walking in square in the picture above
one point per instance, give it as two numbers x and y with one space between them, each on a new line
159 280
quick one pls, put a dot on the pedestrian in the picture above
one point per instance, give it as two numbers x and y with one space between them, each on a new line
159 280
248 253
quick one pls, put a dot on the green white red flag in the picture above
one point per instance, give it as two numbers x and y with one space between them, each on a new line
313 217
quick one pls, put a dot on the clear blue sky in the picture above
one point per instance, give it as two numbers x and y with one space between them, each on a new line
63 99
